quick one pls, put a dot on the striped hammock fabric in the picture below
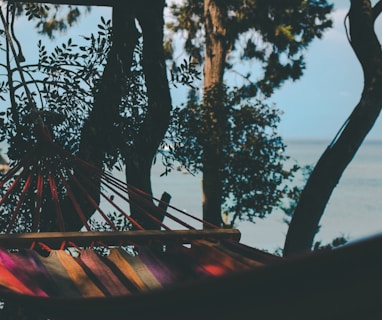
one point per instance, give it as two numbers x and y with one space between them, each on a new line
119 273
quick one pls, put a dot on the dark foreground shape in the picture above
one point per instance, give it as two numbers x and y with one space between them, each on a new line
341 284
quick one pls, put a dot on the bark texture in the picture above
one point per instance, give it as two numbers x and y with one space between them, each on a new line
99 131
213 112
339 154
155 124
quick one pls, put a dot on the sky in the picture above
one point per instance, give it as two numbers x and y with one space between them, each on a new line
315 106
318 104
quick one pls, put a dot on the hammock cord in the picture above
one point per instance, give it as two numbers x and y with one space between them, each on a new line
39 195
75 203
58 211
13 186
131 220
58 166
20 201
94 203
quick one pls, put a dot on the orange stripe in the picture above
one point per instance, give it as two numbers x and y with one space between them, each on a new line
116 257
78 275
103 273
59 274
140 269
8 280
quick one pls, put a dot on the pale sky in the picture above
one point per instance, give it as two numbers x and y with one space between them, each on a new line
318 104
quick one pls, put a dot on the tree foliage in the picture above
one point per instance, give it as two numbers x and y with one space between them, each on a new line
50 18
270 32
62 83
232 151
253 174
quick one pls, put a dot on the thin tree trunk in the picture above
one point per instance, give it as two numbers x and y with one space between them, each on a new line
213 111
338 155
155 124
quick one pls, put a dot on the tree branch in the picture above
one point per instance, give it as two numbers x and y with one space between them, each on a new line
377 9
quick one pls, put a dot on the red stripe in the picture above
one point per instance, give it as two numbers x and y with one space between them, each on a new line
93 277
20 202
53 190
36 216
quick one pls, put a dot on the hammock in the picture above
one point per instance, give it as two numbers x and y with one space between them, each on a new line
175 274
92 265
89 274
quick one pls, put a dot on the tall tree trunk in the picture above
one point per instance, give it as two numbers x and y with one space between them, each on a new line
155 124
213 109
338 155
99 131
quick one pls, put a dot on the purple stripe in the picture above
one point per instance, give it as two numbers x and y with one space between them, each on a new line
18 266
43 278
156 265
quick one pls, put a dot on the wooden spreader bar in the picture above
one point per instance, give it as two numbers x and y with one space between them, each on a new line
116 238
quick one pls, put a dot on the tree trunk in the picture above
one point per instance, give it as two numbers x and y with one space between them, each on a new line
155 124
339 154
213 109
99 132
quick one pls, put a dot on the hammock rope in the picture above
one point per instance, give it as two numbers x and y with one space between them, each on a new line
47 166
39 197
74 202
20 201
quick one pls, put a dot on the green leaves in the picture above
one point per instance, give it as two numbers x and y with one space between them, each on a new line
36 10
253 160
272 34
50 18
63 82
185 74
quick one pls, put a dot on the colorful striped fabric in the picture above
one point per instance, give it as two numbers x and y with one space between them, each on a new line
134 269
118 274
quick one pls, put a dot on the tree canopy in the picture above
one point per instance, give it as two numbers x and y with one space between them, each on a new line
273 34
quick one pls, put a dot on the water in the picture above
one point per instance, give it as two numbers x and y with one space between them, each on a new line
354 209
